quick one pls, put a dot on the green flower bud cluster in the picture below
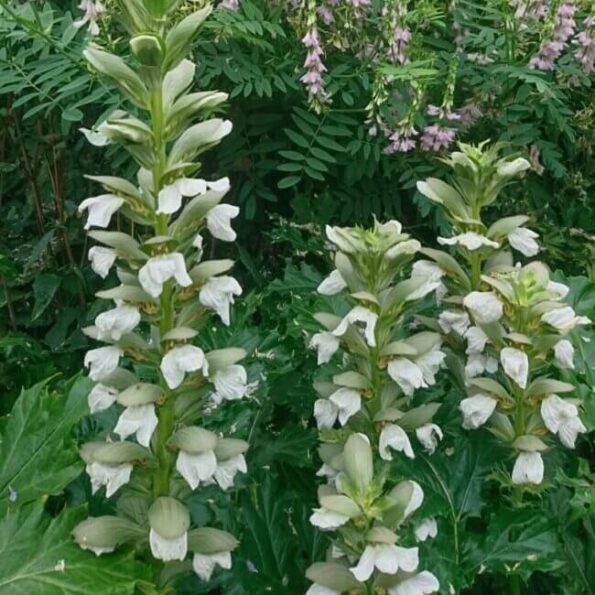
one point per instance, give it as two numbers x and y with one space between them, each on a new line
365 412
150 369
507 322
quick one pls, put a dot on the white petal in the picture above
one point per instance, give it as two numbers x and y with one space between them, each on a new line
407 374
326 344
218 293
95 137
564 354
485 307
561 417
470 240
168 549
102 260
558 290
570 430
102 361
231 382
514 167
428 269
408 558
317 589
138 419
523 240
477 410
327 519
393 436
204 564
102 397
427 529
563 319
113 477
100 209
196 468
160 269
219 222
325 413
363 570
450 320
528 468
516 365
429 435
417 497
476 340
392 227
228 469
363 316
429 363
113 324
180 360
347 402
333 284
192 186
419 584
220 185
198 242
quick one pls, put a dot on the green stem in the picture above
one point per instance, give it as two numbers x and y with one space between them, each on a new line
515 584
475 271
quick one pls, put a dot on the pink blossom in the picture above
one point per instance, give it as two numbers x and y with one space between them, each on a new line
435 137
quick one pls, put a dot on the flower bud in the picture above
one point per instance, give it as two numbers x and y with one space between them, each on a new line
147 49
358 461
103 534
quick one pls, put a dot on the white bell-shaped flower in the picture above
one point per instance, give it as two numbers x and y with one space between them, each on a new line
219 222
326 344
485 306
563 319
528 468
333 284
477 410
168 549
422 583
231 383
426 269
407 374
137 419
523 240
451 320
205 564
227 470
102 361
394 437
476 340
477 364
113 477
362 315
342 405
170 197
100 209
218 293
102 259
564 354
429 363
102 397
429 435
177 362
325 519
558 291
387 558
196 468
427 529
160 269
516 365
470 240
113 324
561 417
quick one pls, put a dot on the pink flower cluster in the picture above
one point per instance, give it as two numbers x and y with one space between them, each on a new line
314 67
402 140
585 42
397 48
550 50
436 137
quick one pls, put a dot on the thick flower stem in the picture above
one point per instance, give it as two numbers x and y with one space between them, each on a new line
164 457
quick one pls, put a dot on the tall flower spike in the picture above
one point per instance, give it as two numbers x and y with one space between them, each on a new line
157 317
515 326
384 367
